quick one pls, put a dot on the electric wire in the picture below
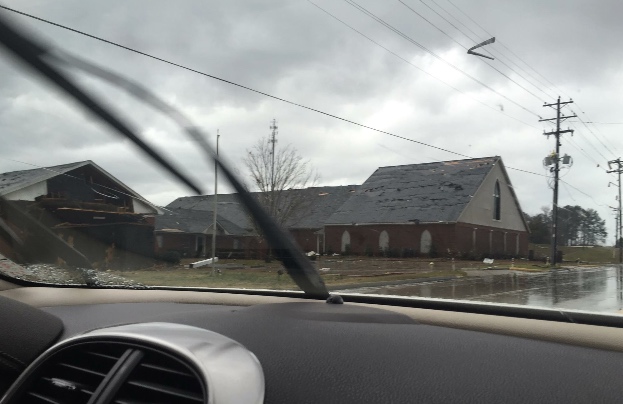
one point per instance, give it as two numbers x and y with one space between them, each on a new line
594 134
417 67
505 47
240 85
524 62
271 96
425 49
491 50
486 50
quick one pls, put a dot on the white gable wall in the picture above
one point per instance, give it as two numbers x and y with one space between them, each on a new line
28 193
142 207
480 210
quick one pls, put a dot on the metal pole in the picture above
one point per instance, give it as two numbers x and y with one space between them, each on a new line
215 207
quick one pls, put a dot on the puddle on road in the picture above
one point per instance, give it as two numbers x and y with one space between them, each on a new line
592 289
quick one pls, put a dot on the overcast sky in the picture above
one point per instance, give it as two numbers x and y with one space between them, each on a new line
294 50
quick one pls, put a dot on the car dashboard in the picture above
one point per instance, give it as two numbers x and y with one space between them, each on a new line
272 349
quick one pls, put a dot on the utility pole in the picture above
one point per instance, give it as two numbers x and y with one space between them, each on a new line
559 118
616 229
618 170
215 206
273 140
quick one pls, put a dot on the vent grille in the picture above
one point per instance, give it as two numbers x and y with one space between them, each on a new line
127 373
160 378
72 375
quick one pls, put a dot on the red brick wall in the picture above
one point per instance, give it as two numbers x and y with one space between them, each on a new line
401 237
306 239
447 239
185 244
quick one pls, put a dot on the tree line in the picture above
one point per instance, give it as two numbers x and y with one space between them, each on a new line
576 226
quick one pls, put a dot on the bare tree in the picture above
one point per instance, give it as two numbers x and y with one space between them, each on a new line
281 181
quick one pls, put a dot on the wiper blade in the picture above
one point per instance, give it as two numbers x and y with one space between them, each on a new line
284 247
41 239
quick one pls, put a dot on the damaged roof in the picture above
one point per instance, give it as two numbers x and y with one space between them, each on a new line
228 207
430 192
321 202
15 180
196 222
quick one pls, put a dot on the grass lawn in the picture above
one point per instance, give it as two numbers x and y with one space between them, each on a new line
258 274
585 254
343 270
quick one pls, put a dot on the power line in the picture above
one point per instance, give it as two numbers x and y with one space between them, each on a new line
236 84
505 47
583 193
471 39
525 63
414 42
255 91
595 135
500 53
417 67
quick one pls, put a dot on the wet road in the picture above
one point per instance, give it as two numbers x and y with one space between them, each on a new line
593 289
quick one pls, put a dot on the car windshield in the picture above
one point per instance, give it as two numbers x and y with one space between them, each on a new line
433 148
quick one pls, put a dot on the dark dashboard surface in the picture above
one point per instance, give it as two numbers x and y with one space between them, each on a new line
315 352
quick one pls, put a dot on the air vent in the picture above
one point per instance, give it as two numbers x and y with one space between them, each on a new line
133 374
160 378
72 375
142 363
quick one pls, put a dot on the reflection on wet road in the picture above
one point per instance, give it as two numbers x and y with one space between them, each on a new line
593 289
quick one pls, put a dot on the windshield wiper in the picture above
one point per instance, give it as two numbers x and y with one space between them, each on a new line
34 54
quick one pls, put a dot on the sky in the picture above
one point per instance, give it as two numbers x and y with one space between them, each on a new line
413 80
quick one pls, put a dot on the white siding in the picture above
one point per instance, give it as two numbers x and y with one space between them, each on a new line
142 207
480 210
28 193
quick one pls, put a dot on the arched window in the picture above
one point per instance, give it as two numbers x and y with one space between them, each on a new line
383 241
345 241
426 241
497 205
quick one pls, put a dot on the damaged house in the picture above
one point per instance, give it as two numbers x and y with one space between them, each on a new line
313 205
460 208
87 207
189 233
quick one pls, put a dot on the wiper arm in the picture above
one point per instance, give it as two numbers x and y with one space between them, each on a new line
285 249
